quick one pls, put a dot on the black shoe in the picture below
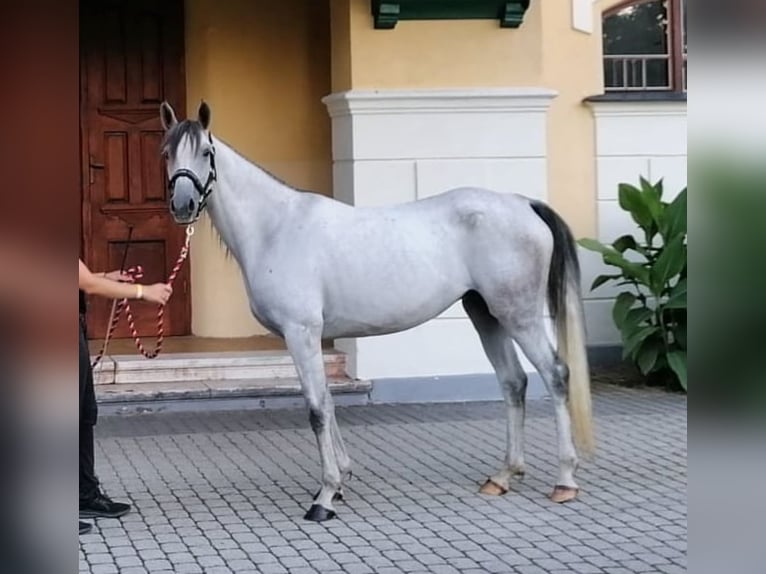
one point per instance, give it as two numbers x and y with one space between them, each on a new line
85 527
103 507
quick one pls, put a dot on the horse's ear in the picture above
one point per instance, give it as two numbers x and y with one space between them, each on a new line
167 116
203 114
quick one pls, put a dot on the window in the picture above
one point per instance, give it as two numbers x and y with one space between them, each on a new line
645 46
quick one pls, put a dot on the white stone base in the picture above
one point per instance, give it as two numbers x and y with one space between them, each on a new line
447 345
393 146
633 139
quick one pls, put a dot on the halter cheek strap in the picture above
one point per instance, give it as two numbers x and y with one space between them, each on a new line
203 191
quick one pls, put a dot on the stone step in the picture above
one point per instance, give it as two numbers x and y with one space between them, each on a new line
242 388
201 367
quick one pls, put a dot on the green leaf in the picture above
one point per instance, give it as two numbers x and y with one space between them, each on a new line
677 362
677 302
669 264
622 305
679 334
677 297
630 269
637 316
594 245
632 200
675 218
652 196
647 355
601 279
634 340
624 243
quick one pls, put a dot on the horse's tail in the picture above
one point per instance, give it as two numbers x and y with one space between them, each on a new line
566 308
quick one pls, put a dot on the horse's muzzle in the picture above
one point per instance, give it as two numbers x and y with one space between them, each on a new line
183 200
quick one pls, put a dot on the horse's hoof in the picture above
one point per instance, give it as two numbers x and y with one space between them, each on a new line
318 513
563 494
491 488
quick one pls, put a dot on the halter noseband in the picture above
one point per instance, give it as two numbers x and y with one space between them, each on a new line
203 191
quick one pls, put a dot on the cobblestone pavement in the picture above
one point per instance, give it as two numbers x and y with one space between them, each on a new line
221 492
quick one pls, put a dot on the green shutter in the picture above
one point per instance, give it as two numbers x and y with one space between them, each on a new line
387 14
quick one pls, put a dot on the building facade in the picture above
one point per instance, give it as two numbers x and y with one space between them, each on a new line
375 103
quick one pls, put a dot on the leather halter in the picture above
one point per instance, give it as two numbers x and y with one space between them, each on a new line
203 191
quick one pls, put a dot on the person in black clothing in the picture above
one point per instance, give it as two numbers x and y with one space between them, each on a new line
115 285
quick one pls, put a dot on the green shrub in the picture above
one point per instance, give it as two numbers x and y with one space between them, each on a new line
651 315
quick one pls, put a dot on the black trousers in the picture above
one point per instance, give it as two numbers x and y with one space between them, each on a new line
89 486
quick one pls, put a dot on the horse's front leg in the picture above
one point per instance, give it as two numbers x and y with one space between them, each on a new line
305 346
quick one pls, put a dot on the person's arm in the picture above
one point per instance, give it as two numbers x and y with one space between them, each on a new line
100 285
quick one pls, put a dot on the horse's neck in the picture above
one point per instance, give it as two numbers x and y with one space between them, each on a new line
246 204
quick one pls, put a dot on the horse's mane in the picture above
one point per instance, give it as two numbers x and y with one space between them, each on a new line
193 129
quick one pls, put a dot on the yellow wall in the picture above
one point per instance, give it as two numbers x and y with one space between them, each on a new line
340 38
263 67
572 66
544 52
439 53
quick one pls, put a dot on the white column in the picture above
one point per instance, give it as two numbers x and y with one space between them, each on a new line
392 146
633 140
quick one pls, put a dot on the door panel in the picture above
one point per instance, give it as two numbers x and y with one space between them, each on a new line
131 59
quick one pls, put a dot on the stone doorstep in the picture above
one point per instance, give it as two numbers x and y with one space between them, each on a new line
286 387
204 367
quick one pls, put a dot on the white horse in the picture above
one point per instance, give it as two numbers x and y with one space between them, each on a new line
317 268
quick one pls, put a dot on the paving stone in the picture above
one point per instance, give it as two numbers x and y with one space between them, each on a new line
182 558
158 566
126 562
188 569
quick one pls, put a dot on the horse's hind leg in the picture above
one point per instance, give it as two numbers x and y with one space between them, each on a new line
531 336
499 348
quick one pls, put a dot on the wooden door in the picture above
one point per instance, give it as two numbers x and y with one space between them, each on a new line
132 58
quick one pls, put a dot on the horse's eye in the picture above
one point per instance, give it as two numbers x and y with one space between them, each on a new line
206 153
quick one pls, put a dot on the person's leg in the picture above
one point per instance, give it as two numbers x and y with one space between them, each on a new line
93 502
89 487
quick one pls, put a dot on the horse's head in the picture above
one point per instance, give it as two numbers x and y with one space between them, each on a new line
190 159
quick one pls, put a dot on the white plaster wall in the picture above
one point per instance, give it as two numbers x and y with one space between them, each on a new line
632 139
393 146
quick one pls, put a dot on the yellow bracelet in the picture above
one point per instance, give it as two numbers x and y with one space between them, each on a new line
139 291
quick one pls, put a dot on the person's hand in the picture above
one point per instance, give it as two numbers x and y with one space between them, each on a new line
118 276
157 293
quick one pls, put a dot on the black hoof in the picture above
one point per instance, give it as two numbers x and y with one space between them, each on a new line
318 513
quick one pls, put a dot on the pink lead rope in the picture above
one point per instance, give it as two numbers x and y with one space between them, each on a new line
137 273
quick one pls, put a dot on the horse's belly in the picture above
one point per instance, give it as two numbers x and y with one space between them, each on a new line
387 306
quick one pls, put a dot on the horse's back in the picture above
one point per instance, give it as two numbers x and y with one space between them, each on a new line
466 222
